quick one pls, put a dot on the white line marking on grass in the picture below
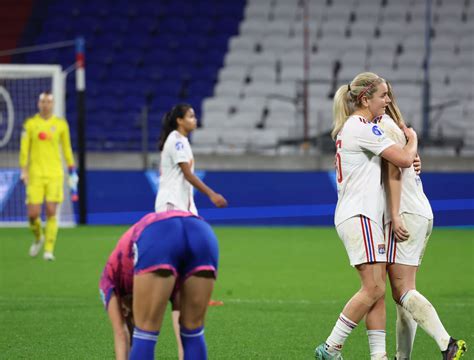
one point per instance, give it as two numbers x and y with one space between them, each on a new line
309 302
266 301
278 301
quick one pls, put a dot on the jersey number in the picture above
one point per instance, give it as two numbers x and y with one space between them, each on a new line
338 162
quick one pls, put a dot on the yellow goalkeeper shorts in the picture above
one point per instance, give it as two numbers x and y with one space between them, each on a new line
40 189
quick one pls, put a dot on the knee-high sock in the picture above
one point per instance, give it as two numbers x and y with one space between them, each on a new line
406 331
377 343
143 344
194 344
426 316
50 234
35 226
339 334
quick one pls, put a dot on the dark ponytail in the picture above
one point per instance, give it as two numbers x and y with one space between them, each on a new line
170 122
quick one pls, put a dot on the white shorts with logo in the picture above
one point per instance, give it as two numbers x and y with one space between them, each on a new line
409 252
363 240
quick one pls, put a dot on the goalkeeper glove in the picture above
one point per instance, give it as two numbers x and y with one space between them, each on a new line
73 180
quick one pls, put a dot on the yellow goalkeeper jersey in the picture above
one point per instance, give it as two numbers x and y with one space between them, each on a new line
39 149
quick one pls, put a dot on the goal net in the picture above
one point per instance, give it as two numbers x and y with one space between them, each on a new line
20 86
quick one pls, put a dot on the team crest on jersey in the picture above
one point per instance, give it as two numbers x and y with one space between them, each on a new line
179 145
53 128
381 248
377 131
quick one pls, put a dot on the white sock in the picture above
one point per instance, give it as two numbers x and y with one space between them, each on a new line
425 315
406 331
339 334
376 343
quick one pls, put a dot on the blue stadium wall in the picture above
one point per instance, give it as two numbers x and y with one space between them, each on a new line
264 198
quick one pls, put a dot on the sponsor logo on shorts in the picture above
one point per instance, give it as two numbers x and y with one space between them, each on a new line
381 248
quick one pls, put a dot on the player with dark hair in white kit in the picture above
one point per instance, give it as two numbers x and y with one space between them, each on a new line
179 253
360 146
177 177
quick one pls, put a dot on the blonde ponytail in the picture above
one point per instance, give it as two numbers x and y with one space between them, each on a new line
341 109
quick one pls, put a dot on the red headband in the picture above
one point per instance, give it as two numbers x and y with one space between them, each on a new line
364 90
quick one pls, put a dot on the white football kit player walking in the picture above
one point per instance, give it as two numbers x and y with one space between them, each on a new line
175 192
177 177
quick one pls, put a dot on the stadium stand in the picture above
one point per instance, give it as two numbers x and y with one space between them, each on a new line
168 51
243 61
386 37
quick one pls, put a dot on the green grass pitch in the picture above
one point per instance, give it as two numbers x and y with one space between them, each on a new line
283 289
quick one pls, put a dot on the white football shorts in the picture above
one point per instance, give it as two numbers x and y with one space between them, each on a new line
409 252
363 240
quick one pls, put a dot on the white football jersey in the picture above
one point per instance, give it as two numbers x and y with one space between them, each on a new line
358 170
413 200
175 192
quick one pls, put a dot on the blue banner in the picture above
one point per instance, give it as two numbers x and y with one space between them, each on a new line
264 198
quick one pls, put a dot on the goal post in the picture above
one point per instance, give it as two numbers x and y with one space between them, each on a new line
20 86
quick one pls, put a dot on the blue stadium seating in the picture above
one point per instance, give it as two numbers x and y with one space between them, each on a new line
170 50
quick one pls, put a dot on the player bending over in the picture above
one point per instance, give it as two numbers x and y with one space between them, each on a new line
116 289
172 248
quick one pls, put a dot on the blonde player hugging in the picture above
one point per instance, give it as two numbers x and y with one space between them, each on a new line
360 147
408 226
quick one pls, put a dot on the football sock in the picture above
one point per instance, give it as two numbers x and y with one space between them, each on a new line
143 344
35 226
376 343
406 331
194 344
51 232
339 334
425 315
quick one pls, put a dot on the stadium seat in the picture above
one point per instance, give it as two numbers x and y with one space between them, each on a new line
202 50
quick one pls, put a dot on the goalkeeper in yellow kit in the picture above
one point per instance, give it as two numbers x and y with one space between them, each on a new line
42 171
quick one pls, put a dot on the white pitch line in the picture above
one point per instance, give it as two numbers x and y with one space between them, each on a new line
268 301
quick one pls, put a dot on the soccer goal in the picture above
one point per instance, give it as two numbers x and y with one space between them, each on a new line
20 86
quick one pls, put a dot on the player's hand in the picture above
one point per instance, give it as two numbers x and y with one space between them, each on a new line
24 176
398 227
417 164
73 180
218 200
409 133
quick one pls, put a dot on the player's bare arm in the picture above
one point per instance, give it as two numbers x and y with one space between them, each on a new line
393 188
217 199
403 156
120 328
